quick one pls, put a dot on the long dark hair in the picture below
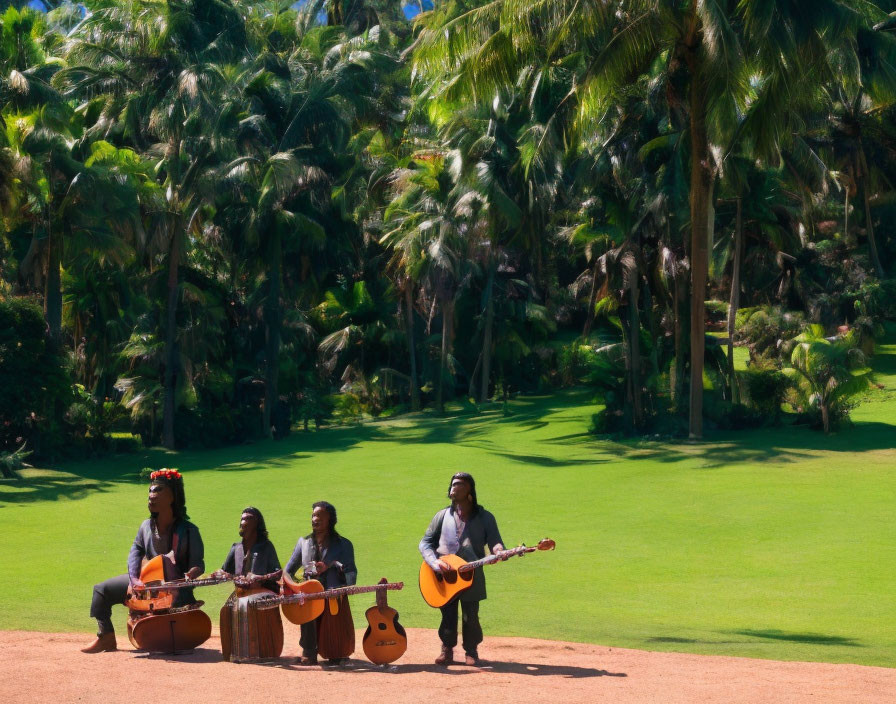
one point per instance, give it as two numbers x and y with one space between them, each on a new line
468 478
331 509
261 529
175 482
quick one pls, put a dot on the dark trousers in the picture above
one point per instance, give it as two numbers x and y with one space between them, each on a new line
308 639
470 628
105 596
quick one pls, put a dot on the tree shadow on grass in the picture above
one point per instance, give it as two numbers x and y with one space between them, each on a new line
550 462
811 638
674 639
50 486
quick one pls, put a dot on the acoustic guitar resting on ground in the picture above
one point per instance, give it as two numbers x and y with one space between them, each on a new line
385 639
438 588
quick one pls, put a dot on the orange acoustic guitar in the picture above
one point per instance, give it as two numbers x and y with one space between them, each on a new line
438 588
385 639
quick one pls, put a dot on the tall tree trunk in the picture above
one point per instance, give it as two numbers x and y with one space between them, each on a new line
412 347
471 393
647 298
53 287
681 334
592 301
272 330
447 325
701 177
634 349
487 335
171 354
734 301
869 228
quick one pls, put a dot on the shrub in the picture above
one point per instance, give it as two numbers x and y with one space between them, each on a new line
765 329
763 390
11 462
827 375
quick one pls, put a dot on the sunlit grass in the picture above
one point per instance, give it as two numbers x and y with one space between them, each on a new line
768 543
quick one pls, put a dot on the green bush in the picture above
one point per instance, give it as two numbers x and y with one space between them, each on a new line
11 462
765 330
763 390
826 376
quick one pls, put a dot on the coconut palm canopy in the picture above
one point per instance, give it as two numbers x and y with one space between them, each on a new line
233 215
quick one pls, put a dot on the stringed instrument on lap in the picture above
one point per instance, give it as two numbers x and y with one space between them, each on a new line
160 586
385 639
155 624
439 588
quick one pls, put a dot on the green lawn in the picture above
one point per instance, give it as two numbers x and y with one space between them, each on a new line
774 544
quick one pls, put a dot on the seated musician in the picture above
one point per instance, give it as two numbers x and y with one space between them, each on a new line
252 561
464 528
326 556
166 532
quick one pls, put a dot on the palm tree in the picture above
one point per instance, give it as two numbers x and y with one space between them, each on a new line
157 72
827 374
428 237
702 46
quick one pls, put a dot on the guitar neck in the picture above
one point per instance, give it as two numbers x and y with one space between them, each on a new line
186 584
301 597
491 559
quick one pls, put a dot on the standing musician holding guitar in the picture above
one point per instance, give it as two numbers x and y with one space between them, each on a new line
464 528
328 557
166 532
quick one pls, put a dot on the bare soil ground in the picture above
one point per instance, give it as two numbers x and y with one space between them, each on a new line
48 667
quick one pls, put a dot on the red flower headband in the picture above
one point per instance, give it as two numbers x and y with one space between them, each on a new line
165 473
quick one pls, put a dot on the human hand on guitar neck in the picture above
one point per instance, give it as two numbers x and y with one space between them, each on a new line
445 568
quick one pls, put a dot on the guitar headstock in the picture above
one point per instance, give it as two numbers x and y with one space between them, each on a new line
546 544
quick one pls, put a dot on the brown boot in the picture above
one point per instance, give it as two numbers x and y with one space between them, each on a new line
446 657
471 659
104 643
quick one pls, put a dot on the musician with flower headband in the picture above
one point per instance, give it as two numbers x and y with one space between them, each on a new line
168 532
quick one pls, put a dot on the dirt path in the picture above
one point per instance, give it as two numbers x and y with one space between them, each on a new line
47 667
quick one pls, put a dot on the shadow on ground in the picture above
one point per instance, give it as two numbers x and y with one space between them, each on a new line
812 638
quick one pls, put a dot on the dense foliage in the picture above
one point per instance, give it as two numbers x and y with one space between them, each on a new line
240 215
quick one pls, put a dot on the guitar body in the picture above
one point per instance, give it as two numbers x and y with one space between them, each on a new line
336 630
385 639
437 588
156 571
183 628
310 610
247 633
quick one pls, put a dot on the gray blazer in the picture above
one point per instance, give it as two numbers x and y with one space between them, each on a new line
190 550
262 559
339 550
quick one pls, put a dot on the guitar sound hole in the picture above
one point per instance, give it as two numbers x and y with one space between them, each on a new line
381 626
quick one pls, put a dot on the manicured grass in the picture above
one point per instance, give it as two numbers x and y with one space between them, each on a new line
772 543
